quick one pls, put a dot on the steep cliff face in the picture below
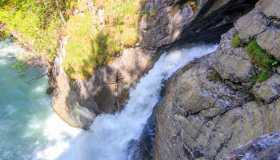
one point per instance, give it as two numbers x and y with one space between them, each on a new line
162 24
226 99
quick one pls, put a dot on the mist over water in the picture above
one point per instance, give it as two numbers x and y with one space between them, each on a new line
29 130
110 134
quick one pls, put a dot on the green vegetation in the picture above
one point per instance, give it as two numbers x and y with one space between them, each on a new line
263 75
95 39
34 22
236 41
261 59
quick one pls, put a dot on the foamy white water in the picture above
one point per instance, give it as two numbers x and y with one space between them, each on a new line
111 134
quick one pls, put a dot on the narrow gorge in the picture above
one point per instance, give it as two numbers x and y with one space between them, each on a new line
140 79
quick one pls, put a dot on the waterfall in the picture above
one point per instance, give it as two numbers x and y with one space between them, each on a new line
110 134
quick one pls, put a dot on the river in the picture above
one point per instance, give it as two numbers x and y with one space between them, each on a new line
29 130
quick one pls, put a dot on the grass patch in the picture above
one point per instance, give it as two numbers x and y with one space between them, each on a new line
35 23
94 40
263 75
262 60
236 41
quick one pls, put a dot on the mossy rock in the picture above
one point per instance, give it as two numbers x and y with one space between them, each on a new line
262 60
236 41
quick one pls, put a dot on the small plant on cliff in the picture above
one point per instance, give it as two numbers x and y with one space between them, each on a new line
261 59
236 41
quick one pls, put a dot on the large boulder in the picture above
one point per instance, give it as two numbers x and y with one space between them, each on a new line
251 24
233 64
204 118
268 90
270 41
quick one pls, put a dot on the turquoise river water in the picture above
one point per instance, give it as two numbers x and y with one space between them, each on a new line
29 130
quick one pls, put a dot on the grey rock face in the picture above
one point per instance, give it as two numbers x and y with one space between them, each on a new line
233 63
204 119
251 24
270 8
270 41
212 106
268 90
266 147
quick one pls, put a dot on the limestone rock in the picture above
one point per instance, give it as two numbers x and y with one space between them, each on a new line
268 90
270 8
266 147
270 41
233 63
64 100
198 116
210 107
251 24
190 126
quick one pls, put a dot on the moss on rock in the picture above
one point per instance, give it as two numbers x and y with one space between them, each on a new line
262 60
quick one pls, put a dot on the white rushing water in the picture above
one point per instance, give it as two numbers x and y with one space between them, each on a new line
110 134
29 129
